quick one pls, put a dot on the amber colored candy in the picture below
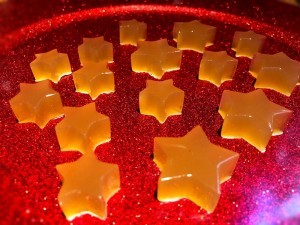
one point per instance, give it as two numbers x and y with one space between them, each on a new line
95 50
252 116
155 58
87 185
247 43
37 103
193 168
277 72
94 79
50 65
193 35
132 31
161 99
82 129
217 67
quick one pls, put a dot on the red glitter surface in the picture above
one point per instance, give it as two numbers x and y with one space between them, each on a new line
264 189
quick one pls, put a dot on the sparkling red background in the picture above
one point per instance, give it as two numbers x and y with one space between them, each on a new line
264 188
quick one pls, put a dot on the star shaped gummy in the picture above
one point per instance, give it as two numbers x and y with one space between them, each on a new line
193 168
50 65
82 129
132 31
161 99
247 43
252 116
155 58
193 35
37 103
87 186
217 67
277 72
94 79
95 50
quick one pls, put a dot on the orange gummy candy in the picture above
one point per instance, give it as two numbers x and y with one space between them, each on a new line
193 168
87 186
37 103
161 99
94 79
193 35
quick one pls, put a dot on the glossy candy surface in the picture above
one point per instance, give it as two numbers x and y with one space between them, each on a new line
247 43
94 79
277 72
83 129
50 65
193 35
161 99
252 116
217 67
95 50
37 103
87 186
155 58
193 168
132 31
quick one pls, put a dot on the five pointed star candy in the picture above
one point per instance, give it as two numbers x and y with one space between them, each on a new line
161 99
50 65
277 72
87 186
247 43
193 35
155 58
217 67
252 116
37 103
132 31
193 168
95 50
94 79
82 129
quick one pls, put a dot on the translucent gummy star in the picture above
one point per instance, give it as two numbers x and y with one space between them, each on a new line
217 67
37 103
132 31
193 35
193 168
161 99
94 79
82 129
247 43
155 58
277 72
252 116
87 185
95 50
50 65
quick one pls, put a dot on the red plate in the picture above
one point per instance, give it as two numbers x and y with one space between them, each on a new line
264 188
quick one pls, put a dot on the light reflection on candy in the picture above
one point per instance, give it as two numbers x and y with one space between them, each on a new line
155 58
95 50
94 79
50 65
87 185
161 99
193 35
217 67
193 168
277 72
252 116
247 43
82 129
132 31
37 103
